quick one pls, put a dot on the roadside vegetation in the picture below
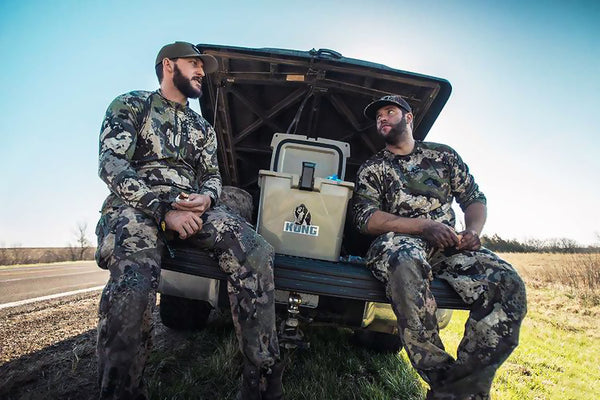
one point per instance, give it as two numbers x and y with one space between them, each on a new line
576 276
43 255
556 245
556 359
81 248
559 345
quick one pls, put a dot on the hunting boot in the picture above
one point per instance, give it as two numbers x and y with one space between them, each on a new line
250 389
274 389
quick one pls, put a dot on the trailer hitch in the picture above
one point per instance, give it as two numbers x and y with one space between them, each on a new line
290 334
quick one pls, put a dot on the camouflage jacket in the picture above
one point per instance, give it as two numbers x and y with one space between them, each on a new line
418 185
151 149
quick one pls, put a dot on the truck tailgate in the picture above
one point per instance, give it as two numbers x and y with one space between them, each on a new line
306 275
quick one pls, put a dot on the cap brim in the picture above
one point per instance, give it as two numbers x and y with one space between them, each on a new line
210 63
372 108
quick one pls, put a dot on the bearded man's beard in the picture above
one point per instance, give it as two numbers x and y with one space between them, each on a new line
184 85
396 132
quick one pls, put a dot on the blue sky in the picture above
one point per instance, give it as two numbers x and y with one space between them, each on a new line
525 77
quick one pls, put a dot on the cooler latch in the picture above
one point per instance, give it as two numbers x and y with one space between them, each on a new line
307 178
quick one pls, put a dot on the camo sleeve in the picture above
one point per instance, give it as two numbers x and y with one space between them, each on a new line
209 178
464 188
118 139
367 195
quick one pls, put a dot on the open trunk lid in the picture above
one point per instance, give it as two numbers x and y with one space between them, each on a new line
318 93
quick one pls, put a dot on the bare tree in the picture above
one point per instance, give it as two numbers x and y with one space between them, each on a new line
568 245
77 251
4 258
562 245
534 245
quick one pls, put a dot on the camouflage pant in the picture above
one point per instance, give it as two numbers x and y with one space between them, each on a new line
496 294
128 246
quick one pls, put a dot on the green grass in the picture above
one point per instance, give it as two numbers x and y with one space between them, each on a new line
207 364
336 369
557 359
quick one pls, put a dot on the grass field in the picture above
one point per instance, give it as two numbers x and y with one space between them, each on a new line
557 358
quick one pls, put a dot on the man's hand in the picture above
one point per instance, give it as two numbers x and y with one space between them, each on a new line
469 240
439 235
197 203
185 223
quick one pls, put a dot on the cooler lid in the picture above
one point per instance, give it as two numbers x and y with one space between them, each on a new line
290 151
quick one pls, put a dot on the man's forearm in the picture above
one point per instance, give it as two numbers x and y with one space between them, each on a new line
124 182
475 216
382 222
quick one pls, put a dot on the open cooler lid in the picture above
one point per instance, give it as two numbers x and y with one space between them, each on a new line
318 93
290 151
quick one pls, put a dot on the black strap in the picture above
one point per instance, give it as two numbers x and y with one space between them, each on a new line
299 112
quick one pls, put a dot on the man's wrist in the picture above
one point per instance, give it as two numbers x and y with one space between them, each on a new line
421 225
162 216
210 198
473 231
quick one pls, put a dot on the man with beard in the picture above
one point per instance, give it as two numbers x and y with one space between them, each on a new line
404 195
159 160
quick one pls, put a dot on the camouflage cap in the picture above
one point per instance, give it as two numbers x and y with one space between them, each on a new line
184 49
395 100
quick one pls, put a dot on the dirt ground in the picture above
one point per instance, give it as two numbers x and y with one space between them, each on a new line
47 349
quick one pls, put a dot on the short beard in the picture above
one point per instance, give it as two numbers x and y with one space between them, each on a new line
184 85
396 132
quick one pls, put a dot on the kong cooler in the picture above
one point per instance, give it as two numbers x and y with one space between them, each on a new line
303 203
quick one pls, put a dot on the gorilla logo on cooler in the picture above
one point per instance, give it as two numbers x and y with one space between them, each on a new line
301 224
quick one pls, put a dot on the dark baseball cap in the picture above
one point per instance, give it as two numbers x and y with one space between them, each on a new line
395 100
183 50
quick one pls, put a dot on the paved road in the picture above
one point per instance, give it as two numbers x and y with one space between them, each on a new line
22 283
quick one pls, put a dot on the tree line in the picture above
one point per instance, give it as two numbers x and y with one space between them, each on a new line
556 245
82 248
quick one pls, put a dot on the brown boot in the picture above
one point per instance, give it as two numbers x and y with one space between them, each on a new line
250 389
274 389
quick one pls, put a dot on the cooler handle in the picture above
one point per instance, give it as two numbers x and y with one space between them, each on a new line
307 178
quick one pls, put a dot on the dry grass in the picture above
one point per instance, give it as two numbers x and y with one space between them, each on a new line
576 274
37 255
558 351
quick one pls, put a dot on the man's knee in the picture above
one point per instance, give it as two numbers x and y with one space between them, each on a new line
130 288
261 245
126 234
242 243
238 201
259 254
398 255
407 268
514 294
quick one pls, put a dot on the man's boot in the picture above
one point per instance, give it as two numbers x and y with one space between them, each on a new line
274 389
250 389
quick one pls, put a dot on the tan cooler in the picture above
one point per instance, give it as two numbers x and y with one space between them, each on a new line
305 223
